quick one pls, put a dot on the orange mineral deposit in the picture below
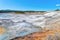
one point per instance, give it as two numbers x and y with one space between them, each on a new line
2 30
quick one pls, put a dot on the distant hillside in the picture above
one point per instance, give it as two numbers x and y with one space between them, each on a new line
25 12
16 11
57 10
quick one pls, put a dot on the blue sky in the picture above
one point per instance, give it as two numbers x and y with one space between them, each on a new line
29 4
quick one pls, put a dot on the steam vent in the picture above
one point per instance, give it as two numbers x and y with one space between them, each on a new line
44 26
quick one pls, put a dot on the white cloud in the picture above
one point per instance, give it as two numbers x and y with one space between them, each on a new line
57 4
